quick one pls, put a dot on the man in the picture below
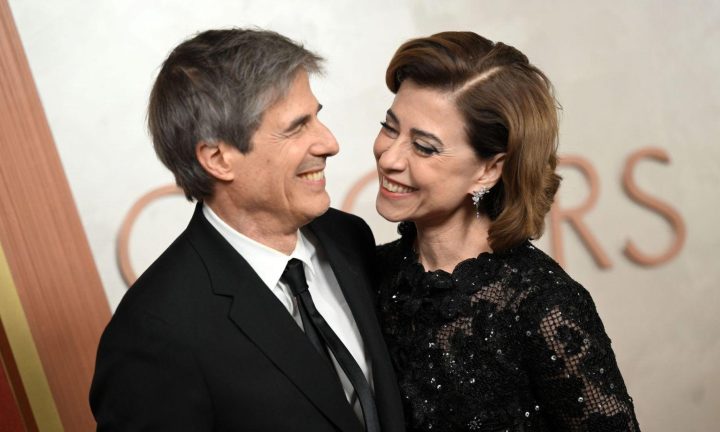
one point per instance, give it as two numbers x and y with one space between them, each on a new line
222 333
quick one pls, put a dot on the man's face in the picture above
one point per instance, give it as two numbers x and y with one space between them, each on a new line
281 181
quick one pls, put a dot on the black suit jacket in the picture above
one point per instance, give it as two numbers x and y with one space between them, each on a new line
199 343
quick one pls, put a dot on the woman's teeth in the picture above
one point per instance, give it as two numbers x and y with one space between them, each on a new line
394 187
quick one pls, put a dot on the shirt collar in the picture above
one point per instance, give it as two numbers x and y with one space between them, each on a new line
267 262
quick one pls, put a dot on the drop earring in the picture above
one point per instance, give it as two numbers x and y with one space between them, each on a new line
477 196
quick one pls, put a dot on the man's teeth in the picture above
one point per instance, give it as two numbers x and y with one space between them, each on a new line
394 187
313 176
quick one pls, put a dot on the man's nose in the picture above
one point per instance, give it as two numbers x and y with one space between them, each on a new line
326 144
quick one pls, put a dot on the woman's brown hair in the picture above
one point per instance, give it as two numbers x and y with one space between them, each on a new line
508 107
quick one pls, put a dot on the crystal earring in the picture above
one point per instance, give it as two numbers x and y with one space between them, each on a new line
477 196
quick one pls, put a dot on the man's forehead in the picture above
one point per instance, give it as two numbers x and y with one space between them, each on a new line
297 100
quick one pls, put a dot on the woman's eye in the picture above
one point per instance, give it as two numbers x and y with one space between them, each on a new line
388 129
424 149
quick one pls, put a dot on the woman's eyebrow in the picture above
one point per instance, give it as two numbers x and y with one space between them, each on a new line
415 131
427 135
392 116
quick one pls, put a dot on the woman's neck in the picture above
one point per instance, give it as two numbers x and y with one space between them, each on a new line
442 246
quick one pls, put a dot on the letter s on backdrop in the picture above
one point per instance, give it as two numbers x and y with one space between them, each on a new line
671 215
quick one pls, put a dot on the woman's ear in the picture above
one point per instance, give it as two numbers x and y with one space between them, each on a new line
217 159
489 172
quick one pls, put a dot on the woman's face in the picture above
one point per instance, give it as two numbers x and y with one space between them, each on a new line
425 164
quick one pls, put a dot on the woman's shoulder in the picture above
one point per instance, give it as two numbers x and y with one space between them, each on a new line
546 283
549 295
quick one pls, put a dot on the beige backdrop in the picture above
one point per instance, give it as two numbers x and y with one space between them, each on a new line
629 75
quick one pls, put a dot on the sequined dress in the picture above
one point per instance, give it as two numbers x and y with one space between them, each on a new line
507 342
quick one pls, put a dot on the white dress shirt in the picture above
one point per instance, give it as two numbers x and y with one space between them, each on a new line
269 265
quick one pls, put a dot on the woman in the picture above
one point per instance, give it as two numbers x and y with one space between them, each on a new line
485 330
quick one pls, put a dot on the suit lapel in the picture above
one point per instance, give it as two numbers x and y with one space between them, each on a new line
263 319
351 279
354 285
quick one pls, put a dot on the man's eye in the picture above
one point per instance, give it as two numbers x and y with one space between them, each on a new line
297 129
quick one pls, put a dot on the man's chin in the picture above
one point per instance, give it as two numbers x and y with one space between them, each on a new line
314 211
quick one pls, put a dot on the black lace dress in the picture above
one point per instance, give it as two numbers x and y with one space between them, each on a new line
507 342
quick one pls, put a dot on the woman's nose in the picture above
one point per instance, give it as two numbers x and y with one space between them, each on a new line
390 155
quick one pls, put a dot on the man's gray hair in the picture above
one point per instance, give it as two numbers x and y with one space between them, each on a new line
215 87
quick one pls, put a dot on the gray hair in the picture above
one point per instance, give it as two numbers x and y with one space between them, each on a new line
215 87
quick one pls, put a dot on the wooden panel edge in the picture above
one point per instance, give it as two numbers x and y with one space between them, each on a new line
25 352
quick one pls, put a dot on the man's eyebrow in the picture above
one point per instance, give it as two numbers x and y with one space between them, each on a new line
301 120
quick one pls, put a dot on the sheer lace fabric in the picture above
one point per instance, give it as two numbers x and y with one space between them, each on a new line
507 342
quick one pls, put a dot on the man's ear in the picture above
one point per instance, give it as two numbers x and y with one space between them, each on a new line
217 159
489 172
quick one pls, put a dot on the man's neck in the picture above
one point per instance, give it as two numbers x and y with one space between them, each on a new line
264 229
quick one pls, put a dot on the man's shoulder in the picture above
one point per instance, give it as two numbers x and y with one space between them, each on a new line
339 224
333 215
171 280
179 258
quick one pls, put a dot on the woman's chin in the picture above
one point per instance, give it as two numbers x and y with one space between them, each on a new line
388 213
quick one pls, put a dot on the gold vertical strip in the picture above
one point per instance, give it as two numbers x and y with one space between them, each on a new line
25 353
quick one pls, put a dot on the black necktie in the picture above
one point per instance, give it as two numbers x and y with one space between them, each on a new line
315 325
